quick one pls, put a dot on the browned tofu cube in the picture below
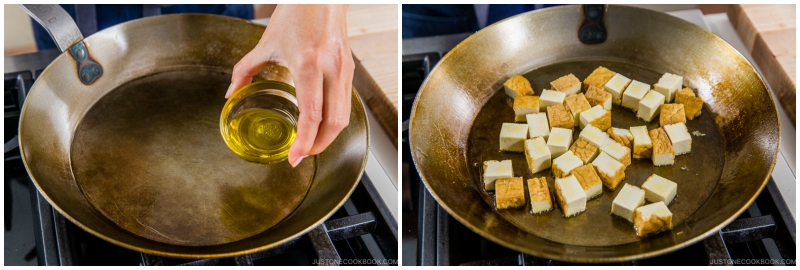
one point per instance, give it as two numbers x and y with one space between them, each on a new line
692 105
577 104
598 78
663 153
540 195
584 150
672 114
559 116
568 84
622 136
597 96
517 86
589 180
525 105
509 193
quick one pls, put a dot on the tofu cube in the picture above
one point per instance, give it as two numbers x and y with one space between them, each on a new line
659 189
610 170
693 105
650 106
559 116
509 193
550 98
517 86
525 105
622 136
537 154
617 151
563 165
598 96
559 141
594 135
679 137
584 150
663 153
627 200
633 94
596 116
537 123
652 218
598 78
577 104
540 195
589 181
570 196
493 170
671 114
642 145
668 85
568 84
616 86
512 137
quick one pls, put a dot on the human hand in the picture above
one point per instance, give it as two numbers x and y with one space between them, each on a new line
310 40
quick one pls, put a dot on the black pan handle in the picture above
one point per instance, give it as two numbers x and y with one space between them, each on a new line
593 29
68 37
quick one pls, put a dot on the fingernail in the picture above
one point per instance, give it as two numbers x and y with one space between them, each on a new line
297 162
228 93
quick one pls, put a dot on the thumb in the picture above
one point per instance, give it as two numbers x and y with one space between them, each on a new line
251 64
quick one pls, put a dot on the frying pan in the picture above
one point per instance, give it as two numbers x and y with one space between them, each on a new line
120 134
460 108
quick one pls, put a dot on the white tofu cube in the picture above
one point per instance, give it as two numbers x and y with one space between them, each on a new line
537 122
680 138
617 151
570 195
627 200
539 193
642 145
537 154
563 165
651 218
659 189
610 170
633 94
550 98
616 86
650 105
668 85
493 170
512 137
559 141
594 135
594 115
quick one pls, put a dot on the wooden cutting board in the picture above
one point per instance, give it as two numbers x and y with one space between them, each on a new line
769 32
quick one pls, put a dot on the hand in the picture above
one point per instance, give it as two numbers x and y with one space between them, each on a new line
310 40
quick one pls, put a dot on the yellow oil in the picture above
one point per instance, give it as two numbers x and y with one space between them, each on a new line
263 134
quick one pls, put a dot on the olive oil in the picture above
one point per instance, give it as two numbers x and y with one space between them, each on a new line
261 132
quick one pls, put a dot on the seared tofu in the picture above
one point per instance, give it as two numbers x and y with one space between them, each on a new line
537 123
493 170
663 153
577 104
584 150
633 94
540 195
599 77
517 86
509 193
559 116
512 137
671 114
563 165
570 195
650 106
594 135
668 85
524 105
652 218
568 84
596 116
616 86
659 189
642 144
589 180
679 137
537 154
597 96
550 98
693 105
617 151
627 200
610 170
559 141
622 136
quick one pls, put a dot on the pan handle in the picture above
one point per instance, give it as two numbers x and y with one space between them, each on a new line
67 36
593 29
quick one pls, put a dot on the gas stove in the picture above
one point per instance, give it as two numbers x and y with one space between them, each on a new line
762 235
362 232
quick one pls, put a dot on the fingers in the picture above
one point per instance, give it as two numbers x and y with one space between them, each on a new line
336 107
251 64
308 84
